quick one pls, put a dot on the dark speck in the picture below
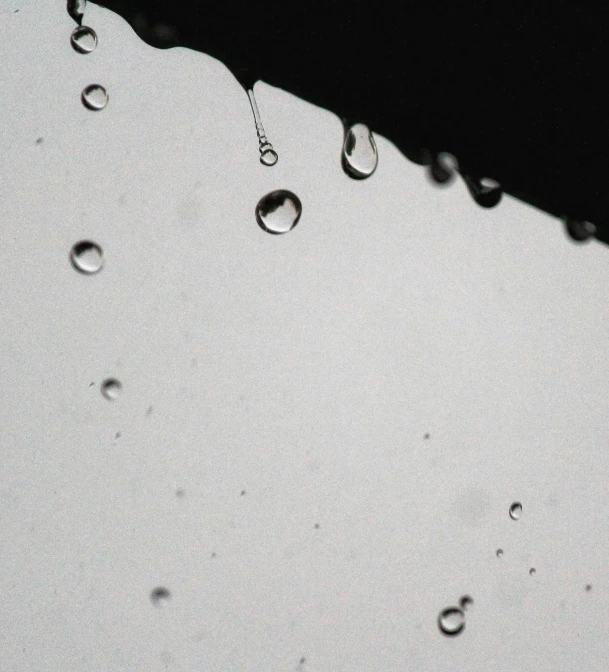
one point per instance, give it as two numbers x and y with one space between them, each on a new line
242 493
179 492
39 141
426 436
117 435
91 384
588 588
213 555
160 595
149 411
317 526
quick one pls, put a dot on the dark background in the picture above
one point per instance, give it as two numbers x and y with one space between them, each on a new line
516 93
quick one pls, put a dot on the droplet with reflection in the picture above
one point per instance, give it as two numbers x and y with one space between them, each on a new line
95 97
87 257
359 155
484 190
579 230
516 511
279 211
451 621
111 388
83 39
443 168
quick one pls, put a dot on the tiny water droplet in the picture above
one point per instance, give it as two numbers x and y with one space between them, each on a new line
278 211
111 388
87 257
588 588
532 571
95 97
83 39
160 596
359 156
485 191
499 553
443 167
465 602
579 230
451 621
39 141
76 9
516 511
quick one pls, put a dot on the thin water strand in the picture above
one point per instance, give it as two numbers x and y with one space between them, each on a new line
76 9
268 156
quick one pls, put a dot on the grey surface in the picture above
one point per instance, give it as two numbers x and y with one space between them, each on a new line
303 369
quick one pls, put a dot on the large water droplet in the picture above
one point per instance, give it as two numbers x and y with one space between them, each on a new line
83 39
516 511
451 621
485 191
95 97
442 168
360 156
87 257
76 9
279 211
160 596
578 230
111 388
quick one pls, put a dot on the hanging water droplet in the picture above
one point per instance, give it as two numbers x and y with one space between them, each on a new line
499 553
515 511
268 156
578 230
466 602
442 168
76 9
83 39
87 257
485 191
160 596
279 211
360 156
111 388
95 97
451 621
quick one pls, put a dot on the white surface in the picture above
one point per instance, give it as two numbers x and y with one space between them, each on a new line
304 369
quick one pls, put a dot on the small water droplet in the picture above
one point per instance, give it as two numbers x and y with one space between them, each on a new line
499 553
111 388
83 39
443 167
95 97
160 596
278 211
269 157
451 621
532 571
76 9
485 191
360 156
39 141
426 436
466 602
87 257
579 230
588 588
516 511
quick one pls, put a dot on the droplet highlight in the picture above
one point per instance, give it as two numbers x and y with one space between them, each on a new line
578 230
83 39
516 511
485 191
359 156
95 97
87 257
278 212
466 602
160 596
442 168
451 621
111 388
268 156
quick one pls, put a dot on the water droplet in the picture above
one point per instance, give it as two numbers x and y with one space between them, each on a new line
578 230
443 167
451 621
269 157
95 97
111 388
160 596
278 211
466 602
532 571
76 9
83 39
87 257
485 191
360 156
516 511
499 553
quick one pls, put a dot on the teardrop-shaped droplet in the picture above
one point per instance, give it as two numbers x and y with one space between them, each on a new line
360 156
579 230
485 191
516 511
95 97
451 621
76 9
278 211
87 257
83 39
268 157
111 388
443 168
